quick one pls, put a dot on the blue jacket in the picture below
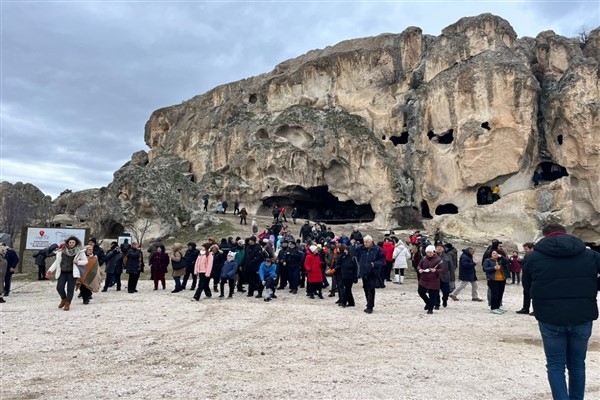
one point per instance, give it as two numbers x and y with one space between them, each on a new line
466 268
267 271
229 270
490 270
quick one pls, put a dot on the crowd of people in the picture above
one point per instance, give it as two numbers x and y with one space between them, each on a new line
560 276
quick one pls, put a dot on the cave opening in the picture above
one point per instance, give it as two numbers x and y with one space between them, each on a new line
550 171
317 204
486 126
446 137
559 139
446 209
484 195
430 135
425 213
113 229
253 98
402 139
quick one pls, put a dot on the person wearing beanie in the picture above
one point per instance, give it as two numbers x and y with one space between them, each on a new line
228 274
430 267
253 258
314 273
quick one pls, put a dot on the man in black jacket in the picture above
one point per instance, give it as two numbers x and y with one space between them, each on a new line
561 277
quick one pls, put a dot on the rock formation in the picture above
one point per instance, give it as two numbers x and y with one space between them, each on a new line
391 129
408 122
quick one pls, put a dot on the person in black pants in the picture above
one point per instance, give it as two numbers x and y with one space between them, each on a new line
347 272
190 257
528 248
133 267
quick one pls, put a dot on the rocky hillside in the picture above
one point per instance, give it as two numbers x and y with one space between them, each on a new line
394 129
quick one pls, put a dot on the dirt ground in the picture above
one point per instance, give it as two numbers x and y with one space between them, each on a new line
157 344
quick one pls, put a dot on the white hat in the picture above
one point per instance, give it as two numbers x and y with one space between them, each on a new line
313 248
430 249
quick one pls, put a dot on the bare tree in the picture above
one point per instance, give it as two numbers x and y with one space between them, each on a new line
139 228
15 212
583 36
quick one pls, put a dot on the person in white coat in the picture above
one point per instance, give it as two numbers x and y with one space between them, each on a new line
66 265
401 256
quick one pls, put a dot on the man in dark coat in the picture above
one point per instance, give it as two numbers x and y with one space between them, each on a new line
191 255
561 277
12 260
40 260
466 274
253 258
370 262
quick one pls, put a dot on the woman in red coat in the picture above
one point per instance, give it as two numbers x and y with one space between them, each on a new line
314 273
159 261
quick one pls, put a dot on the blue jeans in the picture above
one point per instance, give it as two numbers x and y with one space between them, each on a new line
566 346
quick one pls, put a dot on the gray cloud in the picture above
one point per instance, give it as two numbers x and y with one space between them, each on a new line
80 79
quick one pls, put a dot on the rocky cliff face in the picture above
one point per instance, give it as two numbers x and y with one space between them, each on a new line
394 129
408 123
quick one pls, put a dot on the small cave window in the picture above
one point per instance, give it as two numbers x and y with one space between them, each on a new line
430 135
486 126
402 139
262 134
383 137
446 209
447 137
253 98
484 195
559 139
425 210
548 171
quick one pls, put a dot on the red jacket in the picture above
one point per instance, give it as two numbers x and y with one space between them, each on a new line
388 251
312 265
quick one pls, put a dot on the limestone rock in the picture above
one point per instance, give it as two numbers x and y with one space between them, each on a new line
385 128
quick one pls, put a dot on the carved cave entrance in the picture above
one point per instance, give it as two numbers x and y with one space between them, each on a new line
317 204
112 229
550 171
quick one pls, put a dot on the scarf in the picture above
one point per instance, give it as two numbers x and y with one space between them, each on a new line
72 252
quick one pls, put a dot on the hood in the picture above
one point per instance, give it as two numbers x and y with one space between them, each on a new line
52 247
560 246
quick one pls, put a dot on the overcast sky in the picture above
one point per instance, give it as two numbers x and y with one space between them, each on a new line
79 79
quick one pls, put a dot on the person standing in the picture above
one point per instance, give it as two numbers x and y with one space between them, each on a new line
66 265
314 272
40 260
347 271
497 269
178 263
114 258
446 276
3 265
388 248
515 268
243 214
371 261
191 255
159 262
561 277
236 207
401 256
203 268
133 267
528 248
205 201
228 274
12 260
466 274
